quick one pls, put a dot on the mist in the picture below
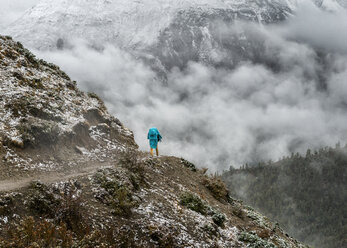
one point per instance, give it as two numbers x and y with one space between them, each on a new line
217 117
285 191
12 10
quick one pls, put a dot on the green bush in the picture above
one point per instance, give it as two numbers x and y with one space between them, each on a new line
42 200
255 241
211 230
193 202
123 202
219 219
117 196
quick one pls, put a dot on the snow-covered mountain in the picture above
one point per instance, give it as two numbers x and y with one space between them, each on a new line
131 23
174 32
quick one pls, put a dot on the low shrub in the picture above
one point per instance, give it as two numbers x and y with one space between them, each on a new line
217 187
255 241
71 85
122 202
211 230
62 205
219 219
130 159
36 233
114 194
30 57
93 95
70 209
42 200
163 238
193 202
6 203
18 75
188 164
122 237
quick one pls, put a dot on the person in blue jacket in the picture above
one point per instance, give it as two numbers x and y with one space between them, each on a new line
154 137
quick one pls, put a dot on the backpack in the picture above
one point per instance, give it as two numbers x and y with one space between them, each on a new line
152 134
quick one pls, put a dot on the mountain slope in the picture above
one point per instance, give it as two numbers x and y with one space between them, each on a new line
97 189
164 33
305 194
167 33
42 108
125 23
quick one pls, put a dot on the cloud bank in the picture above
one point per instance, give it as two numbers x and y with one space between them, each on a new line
220 117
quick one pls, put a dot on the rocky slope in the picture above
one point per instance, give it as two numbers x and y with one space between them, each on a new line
42 110
96 189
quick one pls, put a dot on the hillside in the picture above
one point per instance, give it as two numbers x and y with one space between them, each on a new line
163 33
307 195
131 24
71 175
45 119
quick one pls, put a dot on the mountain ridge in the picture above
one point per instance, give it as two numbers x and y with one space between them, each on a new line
144 20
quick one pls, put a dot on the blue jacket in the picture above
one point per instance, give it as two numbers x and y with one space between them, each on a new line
153 136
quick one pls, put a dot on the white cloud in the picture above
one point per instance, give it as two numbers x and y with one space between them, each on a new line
218 117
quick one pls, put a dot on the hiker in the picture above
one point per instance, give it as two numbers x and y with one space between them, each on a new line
154 136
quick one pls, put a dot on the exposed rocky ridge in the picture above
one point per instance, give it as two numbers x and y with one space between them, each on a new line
128 200
152 203
41 111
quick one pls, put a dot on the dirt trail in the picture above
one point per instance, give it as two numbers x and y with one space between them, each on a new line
51 177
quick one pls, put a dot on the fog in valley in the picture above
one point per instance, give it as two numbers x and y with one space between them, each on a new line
291 99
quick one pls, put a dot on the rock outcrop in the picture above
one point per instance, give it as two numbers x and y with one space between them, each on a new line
45 117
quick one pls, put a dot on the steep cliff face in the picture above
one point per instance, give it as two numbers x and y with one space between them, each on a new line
71 175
